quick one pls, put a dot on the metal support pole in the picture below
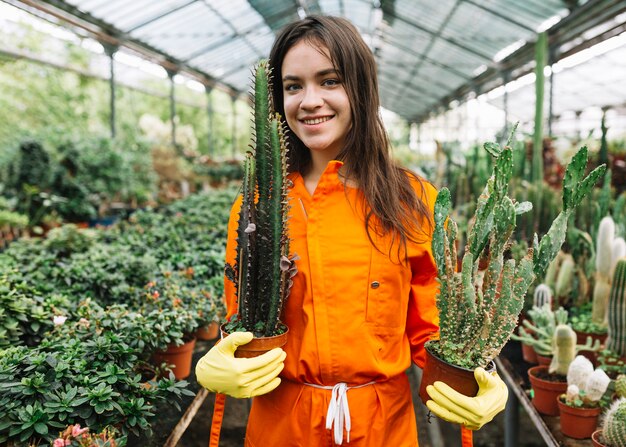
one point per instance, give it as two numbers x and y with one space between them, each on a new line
110 50
511 419
210 139
551 94
234 104
506 77
171 74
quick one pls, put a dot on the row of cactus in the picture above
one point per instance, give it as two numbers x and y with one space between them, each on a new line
262 272
478 314
609 249
614 424
550 335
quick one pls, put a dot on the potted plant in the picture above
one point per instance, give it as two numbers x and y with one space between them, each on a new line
542 296
613 432
580 407
478 316
262 271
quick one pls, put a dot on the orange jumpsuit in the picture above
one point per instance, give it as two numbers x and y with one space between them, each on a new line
354 316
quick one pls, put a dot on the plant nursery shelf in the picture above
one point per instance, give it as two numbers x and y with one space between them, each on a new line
513 370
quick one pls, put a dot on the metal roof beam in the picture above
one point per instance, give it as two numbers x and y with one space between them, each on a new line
500 16
107 33
580 20
160 16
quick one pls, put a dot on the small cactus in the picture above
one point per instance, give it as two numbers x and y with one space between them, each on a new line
604 255
563 349
620 385
616 311
542 296
582 377
579 371
565 279
614 425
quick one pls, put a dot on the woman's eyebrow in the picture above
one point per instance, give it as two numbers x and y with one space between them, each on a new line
319 74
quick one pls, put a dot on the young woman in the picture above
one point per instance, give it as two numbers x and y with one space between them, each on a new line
363 301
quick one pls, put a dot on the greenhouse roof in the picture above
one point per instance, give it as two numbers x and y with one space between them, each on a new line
429 52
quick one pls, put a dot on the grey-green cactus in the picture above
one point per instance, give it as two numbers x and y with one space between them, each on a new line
604 257
616 311
614 424
262 272
478 317
542 296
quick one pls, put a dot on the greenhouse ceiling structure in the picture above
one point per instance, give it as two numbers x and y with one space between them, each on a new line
429 52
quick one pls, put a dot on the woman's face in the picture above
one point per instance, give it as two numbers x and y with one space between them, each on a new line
317 108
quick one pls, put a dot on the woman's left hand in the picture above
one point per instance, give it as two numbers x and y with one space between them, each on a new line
471 412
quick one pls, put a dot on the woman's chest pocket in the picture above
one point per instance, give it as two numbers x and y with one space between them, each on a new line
386 300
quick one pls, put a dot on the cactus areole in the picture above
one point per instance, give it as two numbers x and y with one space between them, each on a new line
477 317
263 271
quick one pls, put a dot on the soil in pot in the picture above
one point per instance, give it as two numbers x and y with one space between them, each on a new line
546 389
259 345
458 378
578 423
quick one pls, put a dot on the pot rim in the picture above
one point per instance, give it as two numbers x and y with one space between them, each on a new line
491 367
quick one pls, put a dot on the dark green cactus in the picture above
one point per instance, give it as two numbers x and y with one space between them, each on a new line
477 317
616 312
262 272
614 424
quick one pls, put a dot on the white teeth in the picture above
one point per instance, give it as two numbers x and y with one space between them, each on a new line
317 120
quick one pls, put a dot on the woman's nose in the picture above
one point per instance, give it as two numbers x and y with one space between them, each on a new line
312 98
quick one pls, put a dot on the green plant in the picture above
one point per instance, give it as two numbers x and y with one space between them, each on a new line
620 385
75 436
605 246
542 296
614 425
611 363
581 321
262 271
477 317
616 311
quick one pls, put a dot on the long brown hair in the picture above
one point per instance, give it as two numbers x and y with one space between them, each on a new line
386 187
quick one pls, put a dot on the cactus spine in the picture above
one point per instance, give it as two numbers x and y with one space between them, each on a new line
614 425
542 296
616 312
262 271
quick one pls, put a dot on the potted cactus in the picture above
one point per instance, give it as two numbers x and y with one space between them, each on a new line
613 432
579 408
262 270
478 313
616 311
542 296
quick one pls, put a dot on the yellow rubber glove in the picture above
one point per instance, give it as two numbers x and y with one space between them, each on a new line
471 412
219 371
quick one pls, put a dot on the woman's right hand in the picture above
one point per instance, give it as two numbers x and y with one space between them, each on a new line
219 371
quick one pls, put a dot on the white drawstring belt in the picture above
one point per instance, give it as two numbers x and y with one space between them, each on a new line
338 409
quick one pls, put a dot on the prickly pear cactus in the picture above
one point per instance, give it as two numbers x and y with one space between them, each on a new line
262 272
616 312
614 425
477 317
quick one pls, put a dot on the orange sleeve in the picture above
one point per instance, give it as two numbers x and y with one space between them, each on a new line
423 317
231 253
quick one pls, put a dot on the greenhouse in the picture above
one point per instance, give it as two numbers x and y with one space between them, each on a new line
313 223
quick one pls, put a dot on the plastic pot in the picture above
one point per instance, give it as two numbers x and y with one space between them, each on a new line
529 354
578 423
209 332
178 356
597 439
259 345
545 392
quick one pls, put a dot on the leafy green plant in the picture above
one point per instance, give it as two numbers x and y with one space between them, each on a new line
478 316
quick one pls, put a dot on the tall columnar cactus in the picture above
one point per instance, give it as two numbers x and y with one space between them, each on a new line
604 253
565 279
614 425
477 318
563 349
262 271
620 385
542 296
616 312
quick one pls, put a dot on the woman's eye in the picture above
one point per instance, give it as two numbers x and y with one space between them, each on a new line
330 82
291 87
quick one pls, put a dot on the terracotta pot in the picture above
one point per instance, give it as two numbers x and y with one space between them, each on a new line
458 378
544 360
578 423
208 332
259 345
178 356
545 392
529 354
597 439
